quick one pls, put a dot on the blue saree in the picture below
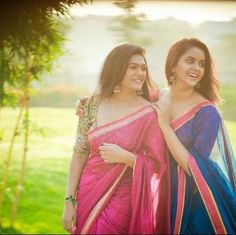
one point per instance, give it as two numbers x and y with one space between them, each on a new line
205 201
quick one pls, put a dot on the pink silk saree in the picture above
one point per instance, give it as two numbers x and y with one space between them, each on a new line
115 199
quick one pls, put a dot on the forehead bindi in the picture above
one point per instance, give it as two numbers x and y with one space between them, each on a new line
194 53
137 59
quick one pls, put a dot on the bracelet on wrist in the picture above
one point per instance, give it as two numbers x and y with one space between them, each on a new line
71 199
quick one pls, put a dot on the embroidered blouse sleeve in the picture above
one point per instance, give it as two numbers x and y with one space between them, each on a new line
81 146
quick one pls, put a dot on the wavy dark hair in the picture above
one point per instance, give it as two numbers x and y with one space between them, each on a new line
115 67
209 84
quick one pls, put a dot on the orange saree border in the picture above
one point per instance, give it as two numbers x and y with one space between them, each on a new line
111 126
179 122
180 199
207 197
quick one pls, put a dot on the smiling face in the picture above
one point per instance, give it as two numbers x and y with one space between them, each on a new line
190 67
135 75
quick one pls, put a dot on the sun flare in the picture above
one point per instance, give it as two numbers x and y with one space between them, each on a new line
192 12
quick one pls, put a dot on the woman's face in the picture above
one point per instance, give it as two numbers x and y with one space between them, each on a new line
136 74
190 67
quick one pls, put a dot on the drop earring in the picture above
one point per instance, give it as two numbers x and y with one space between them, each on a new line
171 79
140 92
116 89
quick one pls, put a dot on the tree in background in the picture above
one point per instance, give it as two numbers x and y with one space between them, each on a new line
30 41
129 27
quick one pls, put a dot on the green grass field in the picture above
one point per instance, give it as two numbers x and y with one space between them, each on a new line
48 159
42 197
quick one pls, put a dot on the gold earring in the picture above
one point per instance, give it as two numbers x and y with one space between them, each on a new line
139 92
171 79
116 89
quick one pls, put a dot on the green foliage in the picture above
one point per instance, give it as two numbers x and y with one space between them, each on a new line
129 27
30 41
58 96
32 52
228 108
127 5
13 13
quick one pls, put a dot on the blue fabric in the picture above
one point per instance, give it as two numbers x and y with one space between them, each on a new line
199 222
206 139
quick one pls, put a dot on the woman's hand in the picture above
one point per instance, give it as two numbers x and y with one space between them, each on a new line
69 217
163 115
112 153
162 107
79 107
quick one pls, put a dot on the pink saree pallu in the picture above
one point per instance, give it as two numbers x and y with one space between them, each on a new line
116 199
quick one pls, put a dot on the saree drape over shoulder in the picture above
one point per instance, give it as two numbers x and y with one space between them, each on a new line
115 199
205 202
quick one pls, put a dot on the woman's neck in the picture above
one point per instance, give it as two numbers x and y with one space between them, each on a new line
125 96
182 94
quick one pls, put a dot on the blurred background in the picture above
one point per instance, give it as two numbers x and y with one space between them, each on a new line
51 53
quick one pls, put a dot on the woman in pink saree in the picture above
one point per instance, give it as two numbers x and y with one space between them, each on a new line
119 172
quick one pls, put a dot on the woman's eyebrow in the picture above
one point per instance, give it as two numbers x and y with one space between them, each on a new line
191 57
137 64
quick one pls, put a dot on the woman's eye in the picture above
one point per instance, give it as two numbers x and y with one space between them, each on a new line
144 69
132 67
202 65
189 61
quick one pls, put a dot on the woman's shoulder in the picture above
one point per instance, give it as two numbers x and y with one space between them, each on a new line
141 105
91 106
205 106
141 101
148 109
208 110
91 99
142 108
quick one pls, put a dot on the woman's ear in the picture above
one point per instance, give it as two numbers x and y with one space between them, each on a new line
173 70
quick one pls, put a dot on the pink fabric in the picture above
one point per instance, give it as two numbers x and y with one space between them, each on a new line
139 202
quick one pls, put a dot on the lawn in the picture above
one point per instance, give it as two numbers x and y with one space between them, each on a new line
48 159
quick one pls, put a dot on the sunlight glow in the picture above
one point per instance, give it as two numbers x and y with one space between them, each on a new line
192 12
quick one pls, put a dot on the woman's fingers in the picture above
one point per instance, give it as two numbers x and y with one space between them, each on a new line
157 108
104 153
106 147
67 225
79 110
83 99
68 218
79 106
161 107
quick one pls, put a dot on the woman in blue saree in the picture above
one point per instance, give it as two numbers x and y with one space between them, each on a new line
202 164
